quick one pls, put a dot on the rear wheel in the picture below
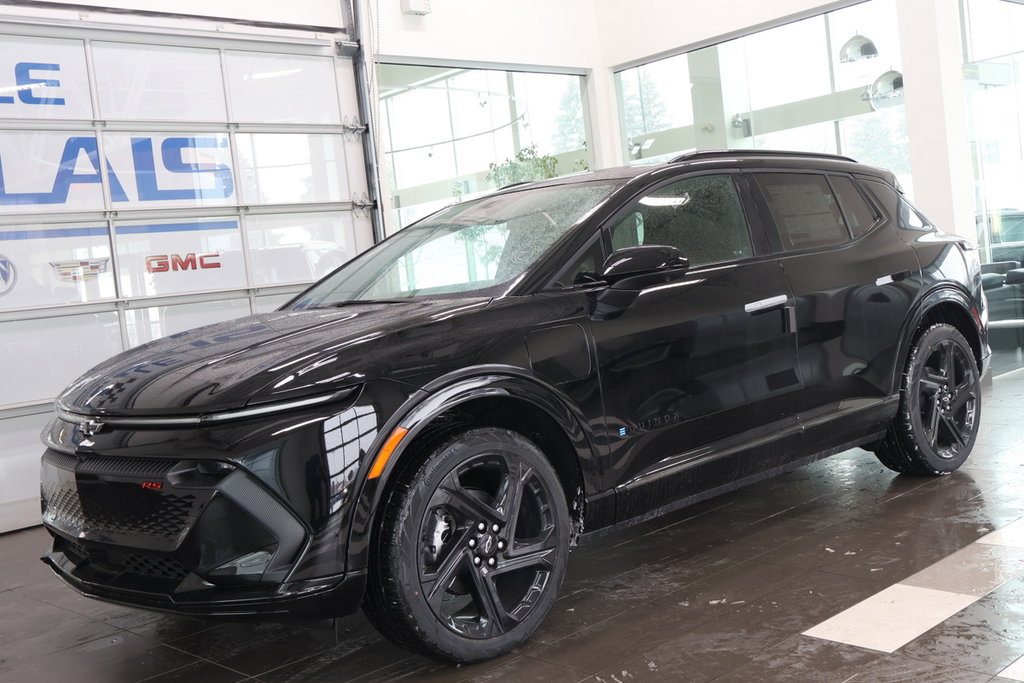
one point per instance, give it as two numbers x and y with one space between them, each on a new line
472 548
940 406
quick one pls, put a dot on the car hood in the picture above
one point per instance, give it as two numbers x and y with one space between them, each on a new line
256 359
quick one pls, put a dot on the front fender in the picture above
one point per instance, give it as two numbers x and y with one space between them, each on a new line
426 405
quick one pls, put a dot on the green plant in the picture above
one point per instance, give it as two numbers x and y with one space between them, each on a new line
527 165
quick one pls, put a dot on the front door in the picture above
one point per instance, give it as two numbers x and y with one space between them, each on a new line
695 369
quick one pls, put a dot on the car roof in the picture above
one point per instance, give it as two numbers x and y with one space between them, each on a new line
722 158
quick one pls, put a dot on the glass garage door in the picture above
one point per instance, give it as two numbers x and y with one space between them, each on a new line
154 183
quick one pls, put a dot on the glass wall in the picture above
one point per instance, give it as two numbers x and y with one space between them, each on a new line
450 134
830 83
150 188
994 84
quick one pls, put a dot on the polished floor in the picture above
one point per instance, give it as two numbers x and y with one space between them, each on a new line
841 571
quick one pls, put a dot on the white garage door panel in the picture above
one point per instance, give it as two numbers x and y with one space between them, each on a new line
146 189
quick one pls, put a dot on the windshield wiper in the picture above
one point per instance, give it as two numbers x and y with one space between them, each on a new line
354 302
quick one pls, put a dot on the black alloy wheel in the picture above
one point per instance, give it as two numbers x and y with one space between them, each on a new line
472 549
940 406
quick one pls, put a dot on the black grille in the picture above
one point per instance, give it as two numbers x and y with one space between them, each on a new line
118 508
145 565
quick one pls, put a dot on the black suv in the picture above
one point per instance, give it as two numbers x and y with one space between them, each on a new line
427 430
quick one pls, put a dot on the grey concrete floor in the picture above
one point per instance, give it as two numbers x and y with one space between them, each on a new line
720 591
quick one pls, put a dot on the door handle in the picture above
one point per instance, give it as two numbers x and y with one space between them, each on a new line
765 304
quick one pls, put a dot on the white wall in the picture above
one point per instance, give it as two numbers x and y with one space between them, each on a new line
636 30
323 13
548 33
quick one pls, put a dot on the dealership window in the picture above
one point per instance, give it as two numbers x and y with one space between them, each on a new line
994 86
444 129
812 85
151 183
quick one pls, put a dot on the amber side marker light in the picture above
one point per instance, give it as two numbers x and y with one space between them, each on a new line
385 453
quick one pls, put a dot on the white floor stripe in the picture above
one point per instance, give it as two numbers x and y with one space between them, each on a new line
889 620
1011 535
897 615
1015 672
977 569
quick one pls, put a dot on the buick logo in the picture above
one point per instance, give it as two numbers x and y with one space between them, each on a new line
90 428
8 275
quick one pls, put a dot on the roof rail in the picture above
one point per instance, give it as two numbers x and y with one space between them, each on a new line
702 154
521 182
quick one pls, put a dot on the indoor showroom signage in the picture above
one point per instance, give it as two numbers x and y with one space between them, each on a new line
53 171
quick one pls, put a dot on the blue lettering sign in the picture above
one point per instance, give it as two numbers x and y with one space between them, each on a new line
171 154
66 176
145 172
23 77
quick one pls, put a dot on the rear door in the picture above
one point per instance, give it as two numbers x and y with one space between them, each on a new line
854 281
704 359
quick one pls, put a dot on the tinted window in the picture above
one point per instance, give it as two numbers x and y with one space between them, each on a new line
910 218
804 208
701 216
859 214
584 269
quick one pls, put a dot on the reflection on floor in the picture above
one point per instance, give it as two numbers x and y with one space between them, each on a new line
723 591
1006 360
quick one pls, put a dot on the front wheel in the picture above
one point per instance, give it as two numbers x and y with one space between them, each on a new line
940 406
472 548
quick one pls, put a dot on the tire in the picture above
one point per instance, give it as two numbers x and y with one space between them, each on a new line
443 582
940 406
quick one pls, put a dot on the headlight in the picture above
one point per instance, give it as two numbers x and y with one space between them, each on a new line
206 419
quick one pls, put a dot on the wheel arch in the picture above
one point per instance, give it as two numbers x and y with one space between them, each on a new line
506 398
947 305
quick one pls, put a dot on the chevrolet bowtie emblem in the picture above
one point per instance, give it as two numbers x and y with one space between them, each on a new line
91 427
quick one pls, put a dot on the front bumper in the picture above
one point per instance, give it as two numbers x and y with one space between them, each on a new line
243 519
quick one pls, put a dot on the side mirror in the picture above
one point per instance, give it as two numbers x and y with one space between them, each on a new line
639 267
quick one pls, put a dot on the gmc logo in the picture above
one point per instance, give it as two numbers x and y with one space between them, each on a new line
162 263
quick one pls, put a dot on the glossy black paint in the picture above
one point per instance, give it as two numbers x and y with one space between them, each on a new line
662 387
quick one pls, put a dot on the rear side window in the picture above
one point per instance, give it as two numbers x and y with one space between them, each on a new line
910 218
907 217
702 216
860 216
804 209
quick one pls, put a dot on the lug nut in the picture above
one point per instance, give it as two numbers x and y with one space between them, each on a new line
476 560
491 562
501 545
481 527
494 528
472 543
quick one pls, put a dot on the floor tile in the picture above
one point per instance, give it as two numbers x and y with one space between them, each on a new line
1015 671
800 659
987 636
1011 535
977 569
890 619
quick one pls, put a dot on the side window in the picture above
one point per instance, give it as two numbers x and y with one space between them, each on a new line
804 208
911 219
859 214
701 216
907 217
584 269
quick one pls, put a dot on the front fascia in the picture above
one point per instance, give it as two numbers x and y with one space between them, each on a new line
278 484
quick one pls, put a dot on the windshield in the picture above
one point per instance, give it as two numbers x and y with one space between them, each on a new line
478 247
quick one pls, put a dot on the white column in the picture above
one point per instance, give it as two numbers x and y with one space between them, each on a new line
604 137
940 158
